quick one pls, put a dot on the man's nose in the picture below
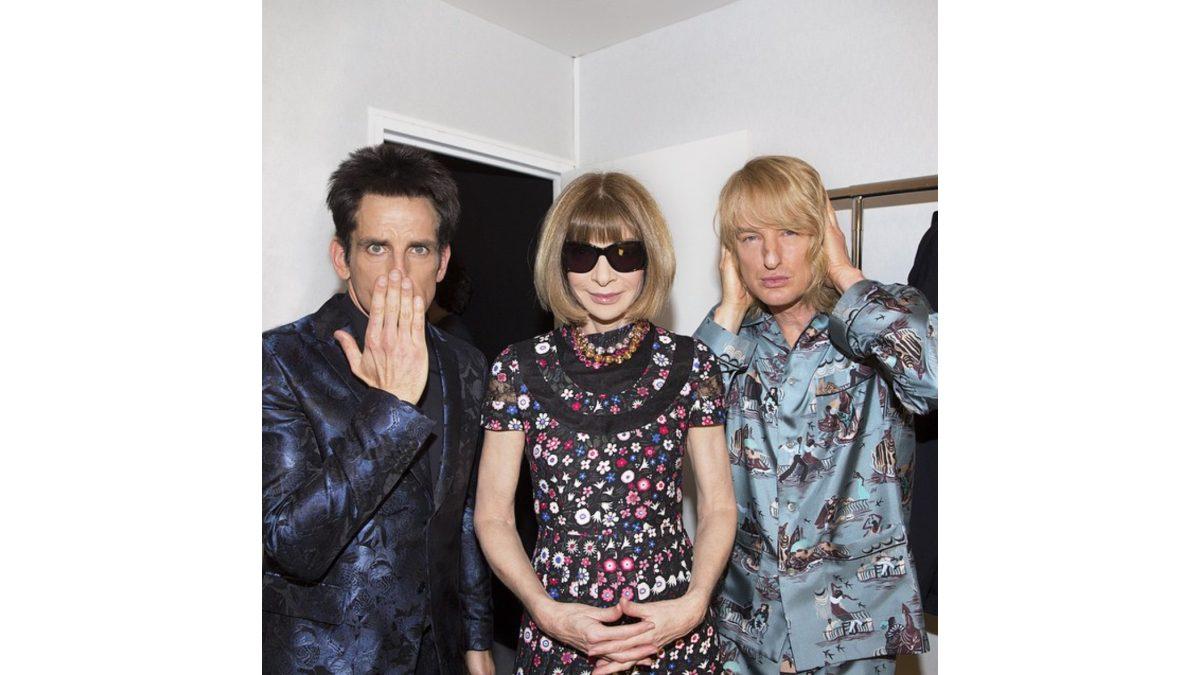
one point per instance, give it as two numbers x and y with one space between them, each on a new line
770 252
400 263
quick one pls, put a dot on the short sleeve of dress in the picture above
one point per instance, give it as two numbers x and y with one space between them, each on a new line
500 409
707 390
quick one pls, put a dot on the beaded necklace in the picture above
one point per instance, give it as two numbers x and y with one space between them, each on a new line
597 357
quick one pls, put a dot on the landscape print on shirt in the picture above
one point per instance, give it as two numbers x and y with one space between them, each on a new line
820 440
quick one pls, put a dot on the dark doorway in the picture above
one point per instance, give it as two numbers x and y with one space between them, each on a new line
501 219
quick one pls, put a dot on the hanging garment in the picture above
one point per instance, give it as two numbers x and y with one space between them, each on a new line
923 526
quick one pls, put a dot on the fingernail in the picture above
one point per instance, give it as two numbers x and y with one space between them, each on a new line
394 275
381 282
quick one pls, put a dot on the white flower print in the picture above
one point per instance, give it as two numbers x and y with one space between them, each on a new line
542 347
523 402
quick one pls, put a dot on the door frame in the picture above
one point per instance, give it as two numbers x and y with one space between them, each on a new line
383 125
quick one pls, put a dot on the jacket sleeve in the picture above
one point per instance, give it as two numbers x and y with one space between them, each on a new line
475 581
734 351
894 327
313 502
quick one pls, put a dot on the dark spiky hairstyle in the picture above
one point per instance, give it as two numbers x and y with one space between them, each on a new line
391 170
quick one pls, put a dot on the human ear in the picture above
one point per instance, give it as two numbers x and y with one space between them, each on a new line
444 254
337 255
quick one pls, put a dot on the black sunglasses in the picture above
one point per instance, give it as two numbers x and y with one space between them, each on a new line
623 256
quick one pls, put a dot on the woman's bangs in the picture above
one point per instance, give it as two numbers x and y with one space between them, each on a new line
600 221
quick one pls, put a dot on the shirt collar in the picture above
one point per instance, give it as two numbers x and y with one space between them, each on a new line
765 324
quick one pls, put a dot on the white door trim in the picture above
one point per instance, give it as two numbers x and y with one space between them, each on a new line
388 126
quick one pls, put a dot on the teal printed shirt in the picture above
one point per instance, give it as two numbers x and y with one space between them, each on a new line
821 441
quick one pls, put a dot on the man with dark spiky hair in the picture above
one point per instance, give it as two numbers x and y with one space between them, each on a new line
370 446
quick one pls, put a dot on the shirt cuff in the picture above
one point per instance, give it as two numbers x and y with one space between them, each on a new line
730 348
848 306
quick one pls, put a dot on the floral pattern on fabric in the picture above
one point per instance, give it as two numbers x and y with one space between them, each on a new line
607 470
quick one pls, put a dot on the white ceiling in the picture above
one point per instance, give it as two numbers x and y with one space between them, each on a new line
576 27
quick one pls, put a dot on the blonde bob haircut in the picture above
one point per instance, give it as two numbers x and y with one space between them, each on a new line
782 193
603 208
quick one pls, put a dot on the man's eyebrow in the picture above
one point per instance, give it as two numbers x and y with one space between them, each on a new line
372 242
427 243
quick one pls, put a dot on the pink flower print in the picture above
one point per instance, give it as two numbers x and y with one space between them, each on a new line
643 484
627 564
627 593
649 452
640 512
660 485
695 637
575 405
610 565
501 377
632 497
606 595
621 462
593 453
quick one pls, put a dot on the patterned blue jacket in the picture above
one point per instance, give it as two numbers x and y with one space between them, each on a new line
821 442
361 551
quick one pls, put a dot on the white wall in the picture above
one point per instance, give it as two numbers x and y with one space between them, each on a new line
326 62
848 85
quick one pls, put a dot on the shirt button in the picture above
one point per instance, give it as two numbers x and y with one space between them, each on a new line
791 380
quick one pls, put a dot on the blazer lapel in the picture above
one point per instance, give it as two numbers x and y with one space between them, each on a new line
329 319
451 416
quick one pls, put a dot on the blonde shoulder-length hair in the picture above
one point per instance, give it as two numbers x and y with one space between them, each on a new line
783 193
603 208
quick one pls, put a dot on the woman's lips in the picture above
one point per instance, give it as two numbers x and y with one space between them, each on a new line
604 298
775 282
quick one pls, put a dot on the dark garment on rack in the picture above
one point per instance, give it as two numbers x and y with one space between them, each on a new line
923 522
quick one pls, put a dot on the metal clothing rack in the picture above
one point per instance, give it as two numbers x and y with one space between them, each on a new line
858 193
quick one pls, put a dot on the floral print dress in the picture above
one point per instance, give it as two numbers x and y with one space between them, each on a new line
607 474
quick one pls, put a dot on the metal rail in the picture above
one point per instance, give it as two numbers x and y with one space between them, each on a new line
860 192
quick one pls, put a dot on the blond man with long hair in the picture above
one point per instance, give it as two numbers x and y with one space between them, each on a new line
823 370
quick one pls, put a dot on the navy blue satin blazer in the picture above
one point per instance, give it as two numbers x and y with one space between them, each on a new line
360 551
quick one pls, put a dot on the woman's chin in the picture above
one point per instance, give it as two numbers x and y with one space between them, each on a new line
606 315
